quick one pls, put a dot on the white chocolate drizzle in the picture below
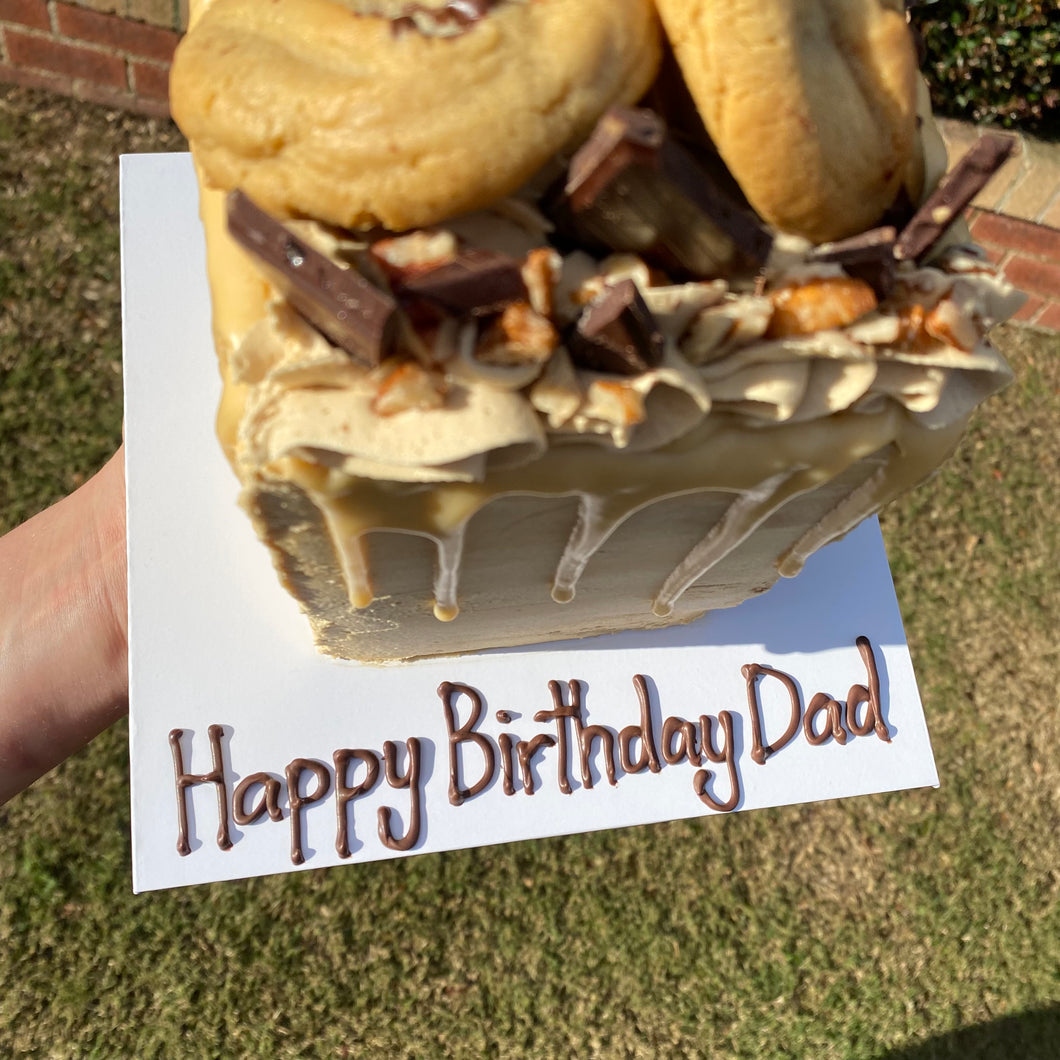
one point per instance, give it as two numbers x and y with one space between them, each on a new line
743 516
883 486
447 574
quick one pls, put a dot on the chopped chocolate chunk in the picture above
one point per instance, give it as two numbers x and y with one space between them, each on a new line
954 193
633 188
868 256
617 333
901 211
476 281
622 138
340 303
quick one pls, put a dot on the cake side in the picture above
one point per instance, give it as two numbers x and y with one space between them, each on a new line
506 587
526 567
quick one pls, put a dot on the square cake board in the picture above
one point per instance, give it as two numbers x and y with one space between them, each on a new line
233 713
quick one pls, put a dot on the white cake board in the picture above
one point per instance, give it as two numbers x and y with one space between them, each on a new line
215 642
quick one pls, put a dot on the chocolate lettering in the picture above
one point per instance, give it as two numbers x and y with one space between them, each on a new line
686 748
824 702
859 694
346 793
560 713
647 755
409 779
526 749
464 734
759 751
298 801
717 755
586 736
185 780
507 763
636 748
268 801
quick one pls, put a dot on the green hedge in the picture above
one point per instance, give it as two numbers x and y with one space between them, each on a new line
994 61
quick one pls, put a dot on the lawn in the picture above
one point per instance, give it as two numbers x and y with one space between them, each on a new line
903 927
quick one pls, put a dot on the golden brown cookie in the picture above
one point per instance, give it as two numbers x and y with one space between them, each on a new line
338 110
811 103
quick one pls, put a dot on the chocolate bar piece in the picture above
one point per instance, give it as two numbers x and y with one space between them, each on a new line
868 256
476 281
340 303
954 193
623 137
633 188
617 333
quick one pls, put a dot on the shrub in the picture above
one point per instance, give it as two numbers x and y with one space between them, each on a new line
993 61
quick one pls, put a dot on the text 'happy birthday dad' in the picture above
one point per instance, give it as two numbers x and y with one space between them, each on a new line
570 743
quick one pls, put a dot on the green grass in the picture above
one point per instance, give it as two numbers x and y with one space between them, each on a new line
60 337
911 926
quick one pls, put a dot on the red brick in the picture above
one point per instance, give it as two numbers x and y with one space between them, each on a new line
1038 240
1049 317
32 13
136 38
43 53
110 97
1030 309
150 80
18 75
998 255
1037 277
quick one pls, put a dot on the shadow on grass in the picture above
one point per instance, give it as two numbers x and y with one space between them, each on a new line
1032 1035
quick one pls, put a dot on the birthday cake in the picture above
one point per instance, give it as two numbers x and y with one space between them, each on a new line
546 319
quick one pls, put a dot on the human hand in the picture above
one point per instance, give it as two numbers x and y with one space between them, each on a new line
63 628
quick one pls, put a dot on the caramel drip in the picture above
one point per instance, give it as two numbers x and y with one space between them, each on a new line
349 547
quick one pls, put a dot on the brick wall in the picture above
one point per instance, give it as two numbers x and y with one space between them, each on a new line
1029 255
1016 218
115 52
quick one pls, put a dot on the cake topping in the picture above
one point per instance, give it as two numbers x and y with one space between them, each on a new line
868 256
623 137
475 281
342 304
955 192
632 187
819 305
617 333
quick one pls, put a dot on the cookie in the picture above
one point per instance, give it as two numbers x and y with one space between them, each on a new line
811 103
400 115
